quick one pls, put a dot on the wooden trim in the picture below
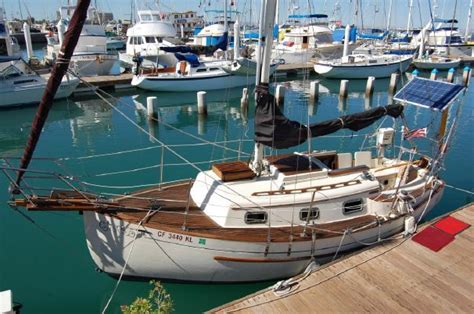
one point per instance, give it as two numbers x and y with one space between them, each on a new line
310 189
260 260
339 172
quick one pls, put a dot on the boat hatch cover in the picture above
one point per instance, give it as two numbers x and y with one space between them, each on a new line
436 95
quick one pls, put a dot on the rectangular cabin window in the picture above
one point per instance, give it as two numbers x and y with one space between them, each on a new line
314 214
252 218
353 206
214 69
149 40
201 70
139 41
305 39
159 40
3 47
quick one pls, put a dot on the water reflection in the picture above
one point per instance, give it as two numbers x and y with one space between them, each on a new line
15 124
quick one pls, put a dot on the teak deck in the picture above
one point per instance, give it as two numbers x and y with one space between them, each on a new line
171 218
397 277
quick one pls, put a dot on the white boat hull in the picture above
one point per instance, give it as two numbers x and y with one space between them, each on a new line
166 255
189 84
93 64
28 95
348 71
430 65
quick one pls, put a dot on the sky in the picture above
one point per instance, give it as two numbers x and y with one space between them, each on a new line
374 12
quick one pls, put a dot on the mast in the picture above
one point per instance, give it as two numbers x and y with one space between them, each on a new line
266 38
389 15
260 42
468 22
410 8
225 26
71 38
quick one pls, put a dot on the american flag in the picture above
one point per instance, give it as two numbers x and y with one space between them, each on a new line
421 132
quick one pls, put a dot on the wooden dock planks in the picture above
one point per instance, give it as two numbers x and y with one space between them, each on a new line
398 276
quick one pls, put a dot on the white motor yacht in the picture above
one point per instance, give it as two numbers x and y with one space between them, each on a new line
90 57
8 45
443 36
145 38
20 85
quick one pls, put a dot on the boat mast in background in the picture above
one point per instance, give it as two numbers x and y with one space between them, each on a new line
410 9
71 38
389 17
468 22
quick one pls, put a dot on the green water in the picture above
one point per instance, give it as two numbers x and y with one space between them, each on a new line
46 263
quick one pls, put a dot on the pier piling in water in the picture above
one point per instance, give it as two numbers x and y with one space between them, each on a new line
466 74
343 92
201 103
314 91
415 73
369 88
244 101
392 88
150 107
29 45
434 74
450 77
280 95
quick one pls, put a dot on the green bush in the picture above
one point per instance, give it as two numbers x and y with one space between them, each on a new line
158 302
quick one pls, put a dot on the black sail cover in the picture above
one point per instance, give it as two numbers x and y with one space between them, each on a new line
275 130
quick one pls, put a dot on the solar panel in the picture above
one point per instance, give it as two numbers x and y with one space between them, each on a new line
436 95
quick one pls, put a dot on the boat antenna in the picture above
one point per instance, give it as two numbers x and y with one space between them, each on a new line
71 38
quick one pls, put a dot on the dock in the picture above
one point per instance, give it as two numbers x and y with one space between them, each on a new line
105 82
398 276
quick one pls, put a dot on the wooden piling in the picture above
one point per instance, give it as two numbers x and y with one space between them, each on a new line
369 88
392 88
343 91
280 95
201 103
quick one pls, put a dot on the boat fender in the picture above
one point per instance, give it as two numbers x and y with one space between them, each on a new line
409 226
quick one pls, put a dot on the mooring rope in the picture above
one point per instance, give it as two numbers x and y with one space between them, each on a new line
127 260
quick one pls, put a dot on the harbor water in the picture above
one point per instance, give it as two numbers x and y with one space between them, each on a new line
44 259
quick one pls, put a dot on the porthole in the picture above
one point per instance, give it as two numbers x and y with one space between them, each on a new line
314 214
252 218
353 206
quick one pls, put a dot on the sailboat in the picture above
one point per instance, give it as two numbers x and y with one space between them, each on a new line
360 66
193 74
267 218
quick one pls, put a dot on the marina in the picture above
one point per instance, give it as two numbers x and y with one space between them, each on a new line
222 158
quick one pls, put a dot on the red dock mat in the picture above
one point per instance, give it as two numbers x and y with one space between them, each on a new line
433 238
451 225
